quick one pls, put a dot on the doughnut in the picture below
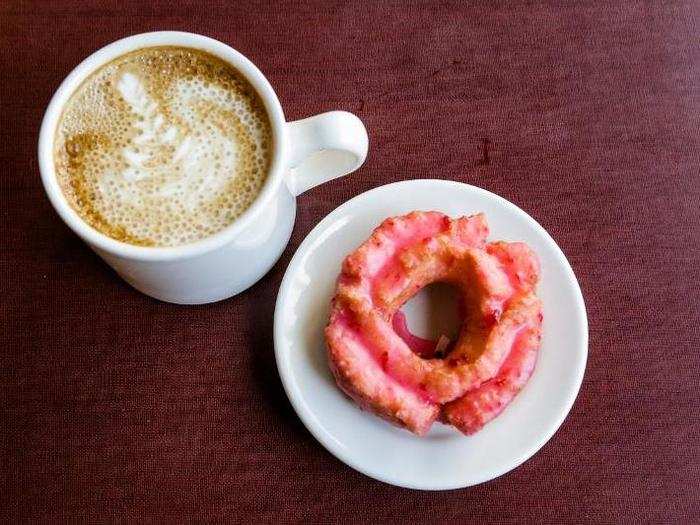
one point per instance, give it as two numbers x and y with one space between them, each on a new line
402 379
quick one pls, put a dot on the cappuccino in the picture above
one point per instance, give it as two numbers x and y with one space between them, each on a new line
163 146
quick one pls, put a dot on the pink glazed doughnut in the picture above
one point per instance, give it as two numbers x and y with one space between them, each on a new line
500 333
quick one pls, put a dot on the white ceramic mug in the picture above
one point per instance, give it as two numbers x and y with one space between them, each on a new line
306 153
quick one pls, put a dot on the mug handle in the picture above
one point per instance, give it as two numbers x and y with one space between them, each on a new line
324 147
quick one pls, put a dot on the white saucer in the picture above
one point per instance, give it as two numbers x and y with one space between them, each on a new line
444 459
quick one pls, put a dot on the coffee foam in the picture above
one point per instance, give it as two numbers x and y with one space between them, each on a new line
162 147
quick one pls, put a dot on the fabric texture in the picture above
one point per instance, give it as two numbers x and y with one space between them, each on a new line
116 407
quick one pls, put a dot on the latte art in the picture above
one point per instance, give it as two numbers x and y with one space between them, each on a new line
163 146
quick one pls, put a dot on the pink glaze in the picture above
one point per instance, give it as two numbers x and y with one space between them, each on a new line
391 237
393 373
423 347
476 408
361 377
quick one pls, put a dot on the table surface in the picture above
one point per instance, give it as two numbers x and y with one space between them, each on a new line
116 406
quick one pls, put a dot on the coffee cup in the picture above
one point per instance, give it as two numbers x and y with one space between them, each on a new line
304 154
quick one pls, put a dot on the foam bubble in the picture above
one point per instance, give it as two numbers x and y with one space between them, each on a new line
163 146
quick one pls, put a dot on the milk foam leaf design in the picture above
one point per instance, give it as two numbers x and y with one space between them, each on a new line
133 92
184 164
151 135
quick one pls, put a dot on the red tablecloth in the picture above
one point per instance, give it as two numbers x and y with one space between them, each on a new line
114 406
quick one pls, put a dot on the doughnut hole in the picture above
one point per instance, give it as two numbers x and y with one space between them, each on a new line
434 313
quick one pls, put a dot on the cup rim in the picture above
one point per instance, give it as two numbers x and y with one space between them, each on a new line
120 47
